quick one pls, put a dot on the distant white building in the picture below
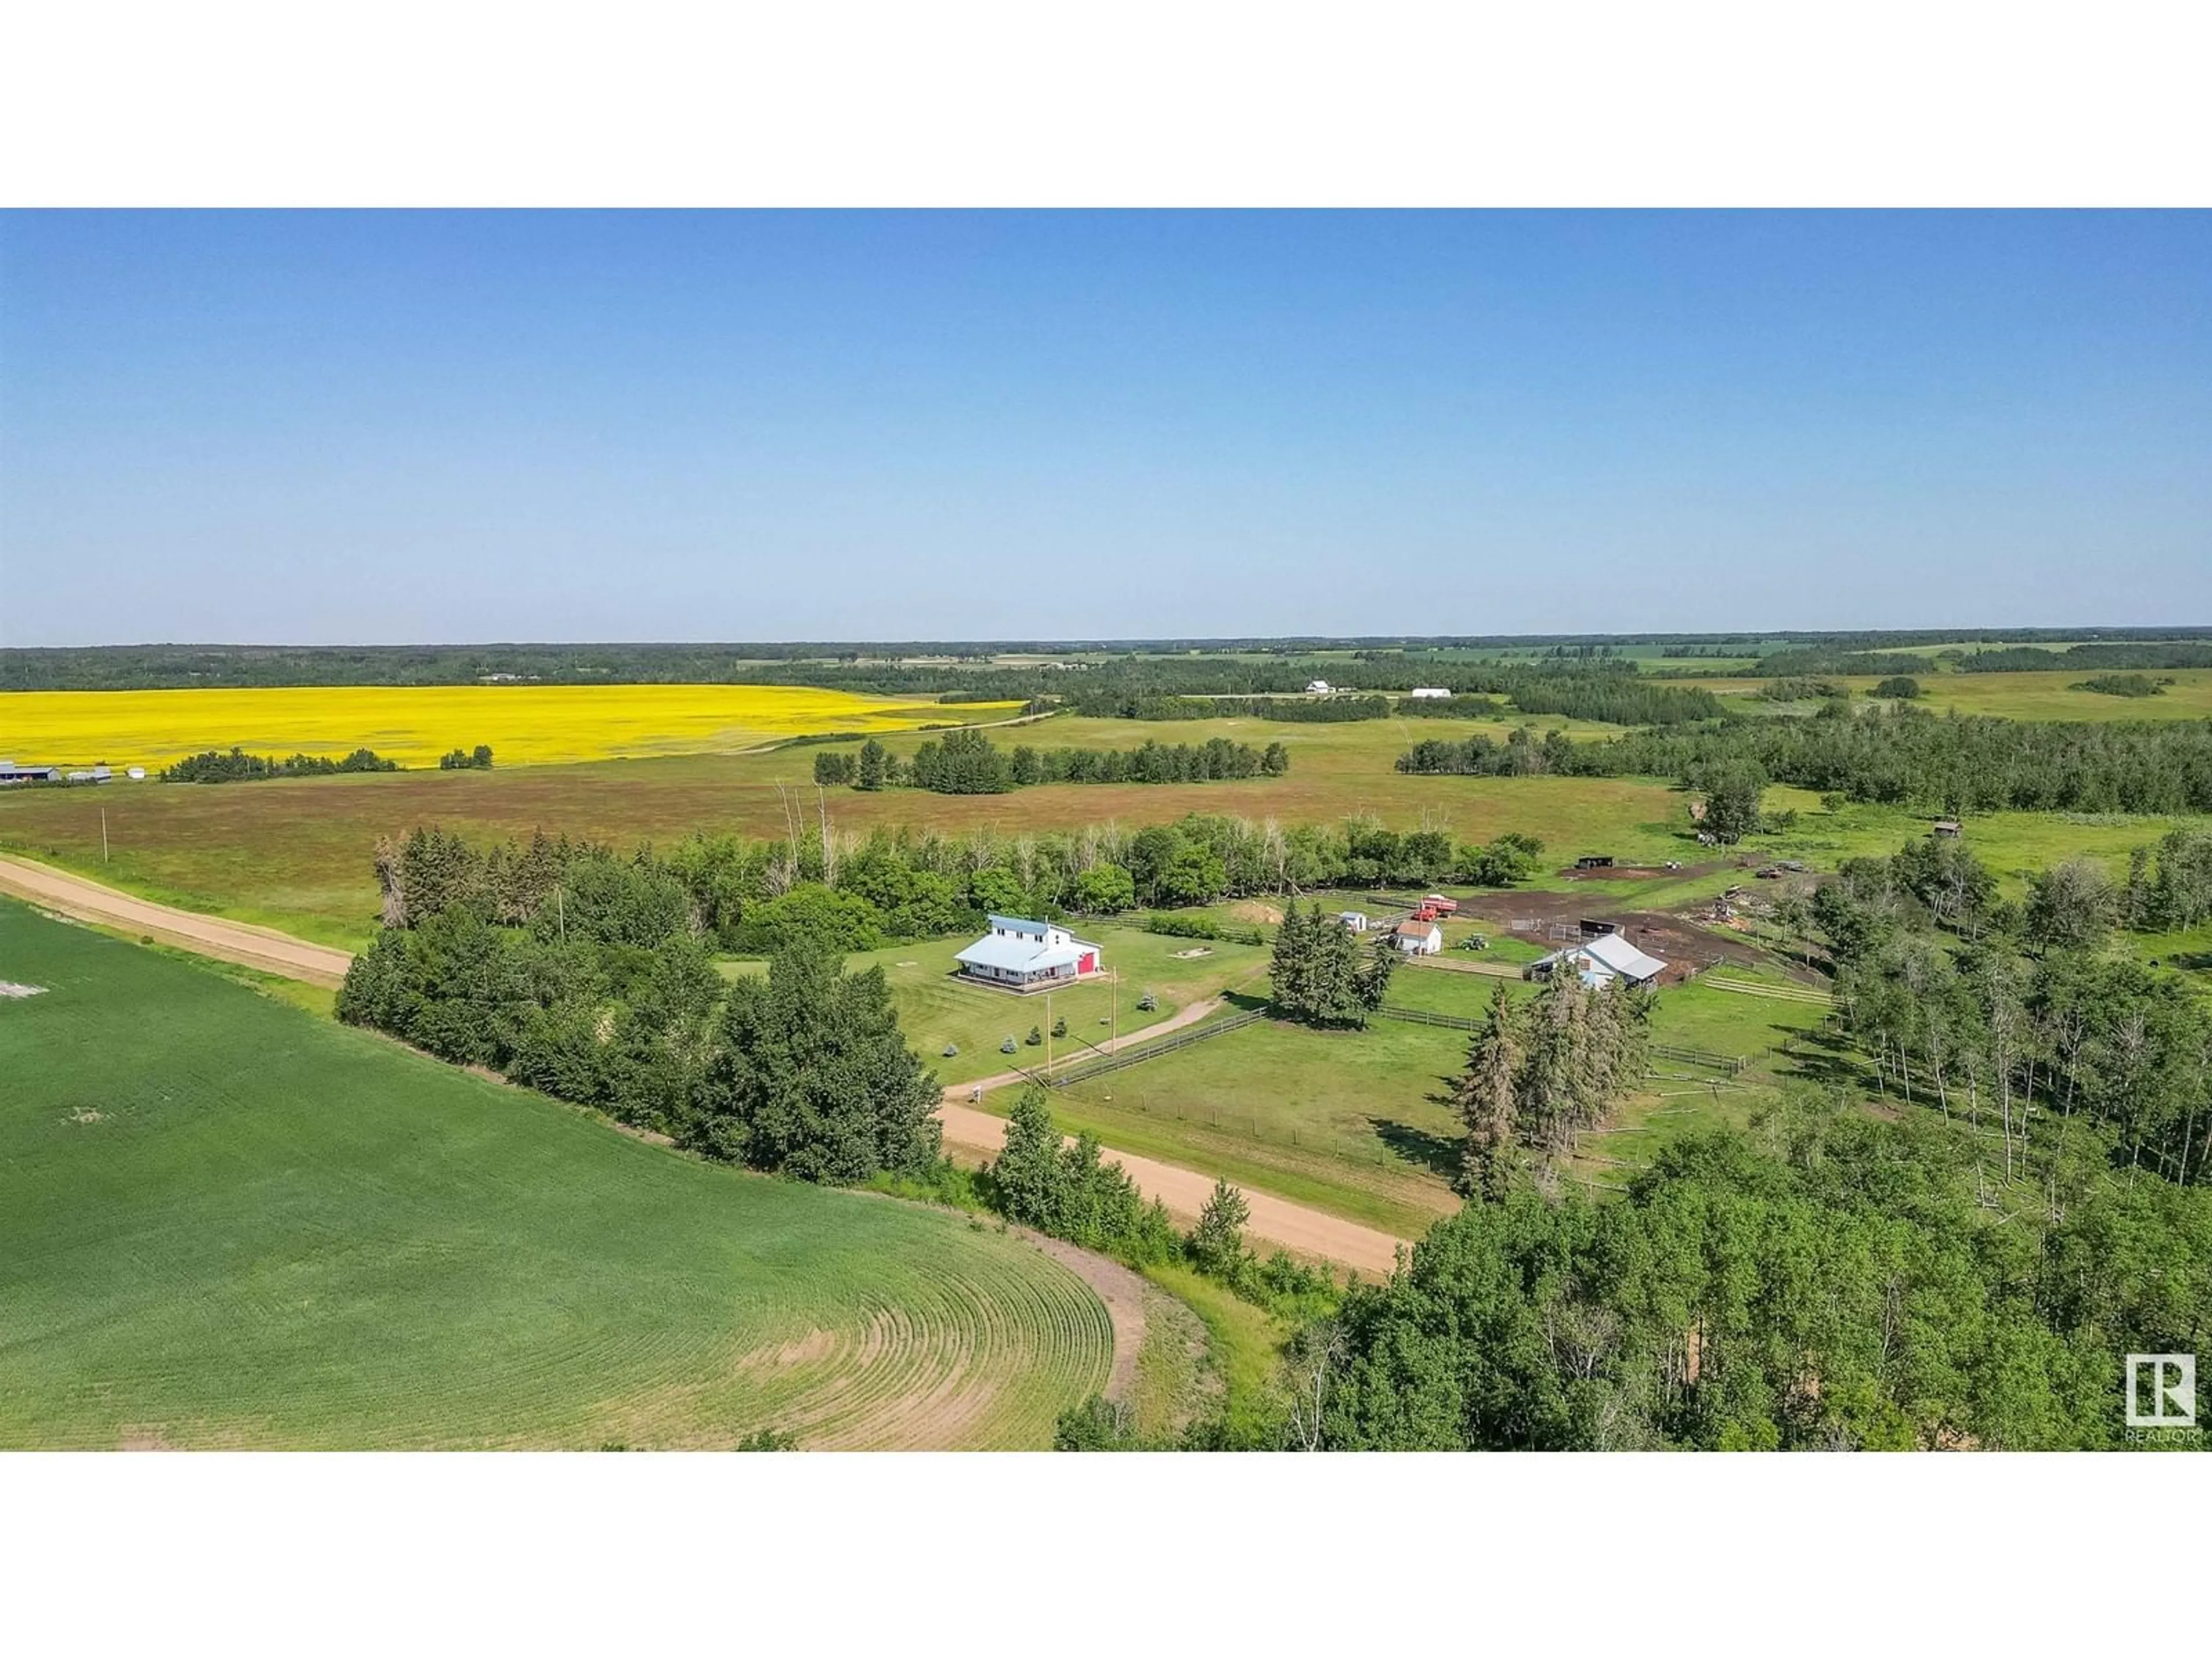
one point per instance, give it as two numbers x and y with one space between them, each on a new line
1600 961
1431 691
1019 954
1320 688
1418 939
1354 919
136 774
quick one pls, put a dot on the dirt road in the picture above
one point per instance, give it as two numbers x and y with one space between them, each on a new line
231 941
1309 1232
1274 1220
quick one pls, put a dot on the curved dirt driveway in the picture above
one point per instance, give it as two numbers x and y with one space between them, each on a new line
1277 1221
230 941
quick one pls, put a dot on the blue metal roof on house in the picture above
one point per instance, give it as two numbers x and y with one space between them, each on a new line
1018 925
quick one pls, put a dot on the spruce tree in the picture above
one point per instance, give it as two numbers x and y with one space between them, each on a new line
1290 971
1486 1099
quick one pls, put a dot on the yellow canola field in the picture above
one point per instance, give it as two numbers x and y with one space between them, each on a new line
525 725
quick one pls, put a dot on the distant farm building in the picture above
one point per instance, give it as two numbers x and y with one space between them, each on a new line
15 772
1600 961
1595 861
94 775
1418 939
1946 827
1319 688
1019 954
1431 691
1354 919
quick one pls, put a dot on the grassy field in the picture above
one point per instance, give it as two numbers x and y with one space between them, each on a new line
2037 695
937 1009
296 852
525 725
1359 1123
226 1223
1348 1121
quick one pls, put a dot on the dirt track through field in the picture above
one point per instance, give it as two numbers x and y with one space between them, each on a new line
230 941
1309 1232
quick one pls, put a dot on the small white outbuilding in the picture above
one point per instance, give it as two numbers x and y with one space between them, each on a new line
1418 938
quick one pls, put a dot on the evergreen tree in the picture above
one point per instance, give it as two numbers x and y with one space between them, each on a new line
872 769
1486 1099
1291 976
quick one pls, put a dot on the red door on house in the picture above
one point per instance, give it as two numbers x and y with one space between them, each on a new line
1089 964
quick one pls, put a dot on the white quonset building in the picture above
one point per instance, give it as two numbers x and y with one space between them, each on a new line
1602 960
1019 955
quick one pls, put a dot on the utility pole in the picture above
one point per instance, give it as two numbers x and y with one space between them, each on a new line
103 835
1047 1033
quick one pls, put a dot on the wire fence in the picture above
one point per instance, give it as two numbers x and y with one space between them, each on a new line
1121 1059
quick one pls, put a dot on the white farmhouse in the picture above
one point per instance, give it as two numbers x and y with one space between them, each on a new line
1318 688
1431 691
1019 955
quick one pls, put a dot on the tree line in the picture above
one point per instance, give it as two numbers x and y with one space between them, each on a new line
2014 1018
965 668
606 996
741 895
1900 755
969 763
236 766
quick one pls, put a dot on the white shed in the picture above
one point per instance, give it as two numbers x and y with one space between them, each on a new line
1418 938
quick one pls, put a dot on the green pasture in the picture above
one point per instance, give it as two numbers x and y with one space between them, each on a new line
937 1009
224 1222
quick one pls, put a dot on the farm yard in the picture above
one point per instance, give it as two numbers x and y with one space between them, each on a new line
346 1244
1356 1125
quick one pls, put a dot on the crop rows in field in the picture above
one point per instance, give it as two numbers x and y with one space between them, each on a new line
344 1245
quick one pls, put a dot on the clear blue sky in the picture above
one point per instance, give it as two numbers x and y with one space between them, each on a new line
359 428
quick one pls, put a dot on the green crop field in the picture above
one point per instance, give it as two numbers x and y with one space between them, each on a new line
226 1223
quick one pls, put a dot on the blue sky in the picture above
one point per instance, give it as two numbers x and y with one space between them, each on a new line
360 428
